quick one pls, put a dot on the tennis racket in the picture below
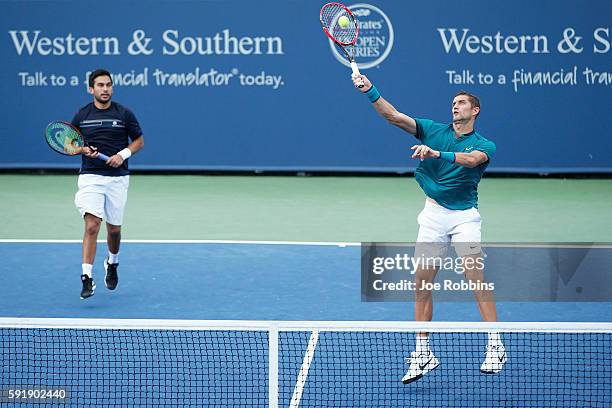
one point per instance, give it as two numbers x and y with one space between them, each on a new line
66 139
341 27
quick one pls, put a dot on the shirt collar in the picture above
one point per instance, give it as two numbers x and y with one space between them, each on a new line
463 135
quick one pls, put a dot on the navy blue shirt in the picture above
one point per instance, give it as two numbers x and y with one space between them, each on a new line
109 130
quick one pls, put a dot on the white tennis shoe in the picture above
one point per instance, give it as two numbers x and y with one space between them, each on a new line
495 358
420 364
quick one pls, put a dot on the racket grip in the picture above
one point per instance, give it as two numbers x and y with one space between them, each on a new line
102 157
356 71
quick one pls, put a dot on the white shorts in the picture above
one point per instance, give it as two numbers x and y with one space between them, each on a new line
102 196
439 226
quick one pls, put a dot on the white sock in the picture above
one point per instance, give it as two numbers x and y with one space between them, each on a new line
495 339
87 269
422 344
113 258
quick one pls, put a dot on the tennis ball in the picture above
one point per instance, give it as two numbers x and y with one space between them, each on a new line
343 22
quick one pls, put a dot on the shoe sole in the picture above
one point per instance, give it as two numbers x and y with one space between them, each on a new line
418 377
491 372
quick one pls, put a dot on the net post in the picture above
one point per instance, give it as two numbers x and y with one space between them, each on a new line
273 365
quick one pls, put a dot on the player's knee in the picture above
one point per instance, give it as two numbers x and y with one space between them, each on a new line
114 232
92 227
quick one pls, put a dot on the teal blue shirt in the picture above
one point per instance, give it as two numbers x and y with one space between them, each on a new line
452 186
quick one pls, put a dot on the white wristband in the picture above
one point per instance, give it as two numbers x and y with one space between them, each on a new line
125 153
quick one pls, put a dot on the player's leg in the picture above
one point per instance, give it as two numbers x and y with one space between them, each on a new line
431 246
90 237
495 355
422 360
466 238
474 272
111 263
113 238
116 198
423 307
89 200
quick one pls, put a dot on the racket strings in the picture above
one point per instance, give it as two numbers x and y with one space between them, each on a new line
64 139
330 16
71 146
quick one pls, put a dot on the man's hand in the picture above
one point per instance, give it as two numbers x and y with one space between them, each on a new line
89 151
424 152
361 80
115 161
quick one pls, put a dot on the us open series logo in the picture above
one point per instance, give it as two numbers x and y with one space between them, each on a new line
375 37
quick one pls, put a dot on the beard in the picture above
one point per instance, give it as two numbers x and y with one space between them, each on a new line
103 101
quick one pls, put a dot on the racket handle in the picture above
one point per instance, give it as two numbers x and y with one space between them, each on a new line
356 71
102 157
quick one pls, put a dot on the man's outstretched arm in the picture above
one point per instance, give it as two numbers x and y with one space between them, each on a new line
383 107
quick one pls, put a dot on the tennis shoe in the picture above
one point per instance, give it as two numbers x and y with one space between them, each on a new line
495 358
111 279
89 287
420 364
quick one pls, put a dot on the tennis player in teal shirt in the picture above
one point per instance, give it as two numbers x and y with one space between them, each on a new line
453 158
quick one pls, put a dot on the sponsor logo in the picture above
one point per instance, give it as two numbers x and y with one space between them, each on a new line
422 366
375 37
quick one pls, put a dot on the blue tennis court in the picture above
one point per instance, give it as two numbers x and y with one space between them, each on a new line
207 358
242 281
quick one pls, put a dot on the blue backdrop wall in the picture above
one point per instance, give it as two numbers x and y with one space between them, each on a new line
255 85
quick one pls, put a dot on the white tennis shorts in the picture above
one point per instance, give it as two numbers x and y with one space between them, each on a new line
439 227
102 196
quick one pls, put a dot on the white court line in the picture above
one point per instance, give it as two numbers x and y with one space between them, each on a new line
183 241
605 245
301 380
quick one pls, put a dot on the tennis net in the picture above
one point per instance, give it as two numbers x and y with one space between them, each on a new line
115 362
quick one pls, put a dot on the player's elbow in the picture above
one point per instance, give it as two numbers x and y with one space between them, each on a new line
139 142
472 162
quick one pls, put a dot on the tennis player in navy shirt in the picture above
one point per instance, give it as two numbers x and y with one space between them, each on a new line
112 129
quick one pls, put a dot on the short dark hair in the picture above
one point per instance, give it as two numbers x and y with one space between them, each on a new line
98 73
474 101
